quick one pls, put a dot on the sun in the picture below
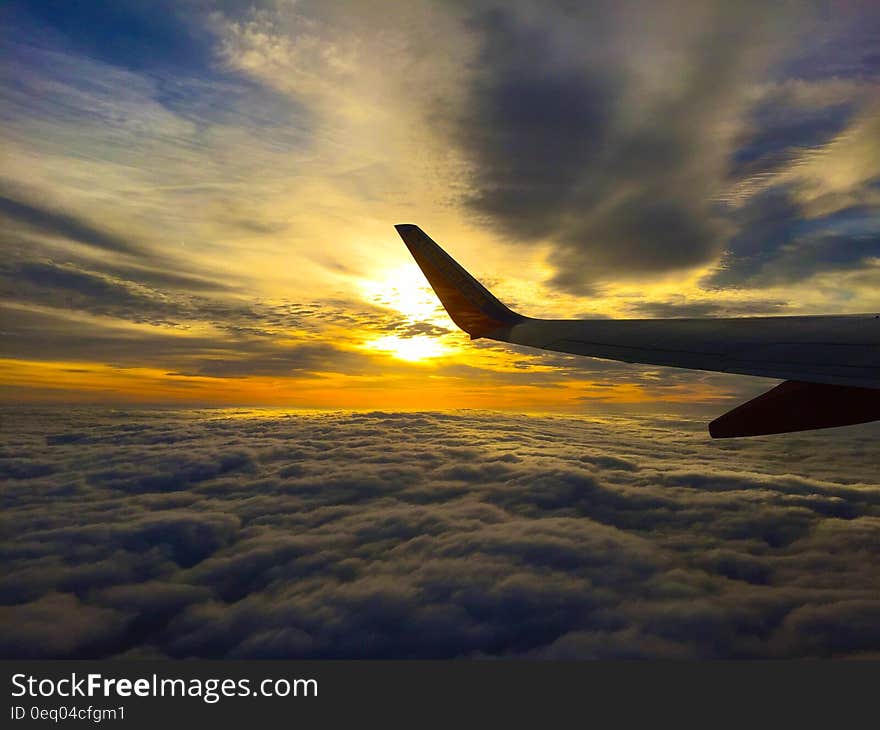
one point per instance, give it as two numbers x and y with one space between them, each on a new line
405 290
411 349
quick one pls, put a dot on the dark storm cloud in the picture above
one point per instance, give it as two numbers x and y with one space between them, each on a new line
778 244
566 147
619 158
531 130
779 130
432 535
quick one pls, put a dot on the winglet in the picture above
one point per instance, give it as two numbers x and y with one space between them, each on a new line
471 306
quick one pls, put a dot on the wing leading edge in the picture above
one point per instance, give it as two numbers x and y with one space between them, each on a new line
833 361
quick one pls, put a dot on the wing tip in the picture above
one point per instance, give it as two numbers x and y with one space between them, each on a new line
470 305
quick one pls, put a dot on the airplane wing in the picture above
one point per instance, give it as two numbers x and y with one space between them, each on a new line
831 364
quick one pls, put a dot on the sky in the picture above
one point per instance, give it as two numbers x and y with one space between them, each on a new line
232 533
198 198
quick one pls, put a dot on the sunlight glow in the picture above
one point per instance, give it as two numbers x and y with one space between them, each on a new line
411 349
405 290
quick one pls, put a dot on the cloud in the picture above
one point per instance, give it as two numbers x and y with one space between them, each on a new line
271 359
384 534
780 245
47 284
589 150
64 224
782 128
58 625
849 49
207 334
631 148
687 307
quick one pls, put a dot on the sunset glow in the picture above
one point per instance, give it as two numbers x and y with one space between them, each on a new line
412 349
217 226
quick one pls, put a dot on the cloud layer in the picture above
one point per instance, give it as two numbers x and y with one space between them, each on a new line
247 534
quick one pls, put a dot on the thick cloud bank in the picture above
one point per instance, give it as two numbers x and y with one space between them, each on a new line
235 534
